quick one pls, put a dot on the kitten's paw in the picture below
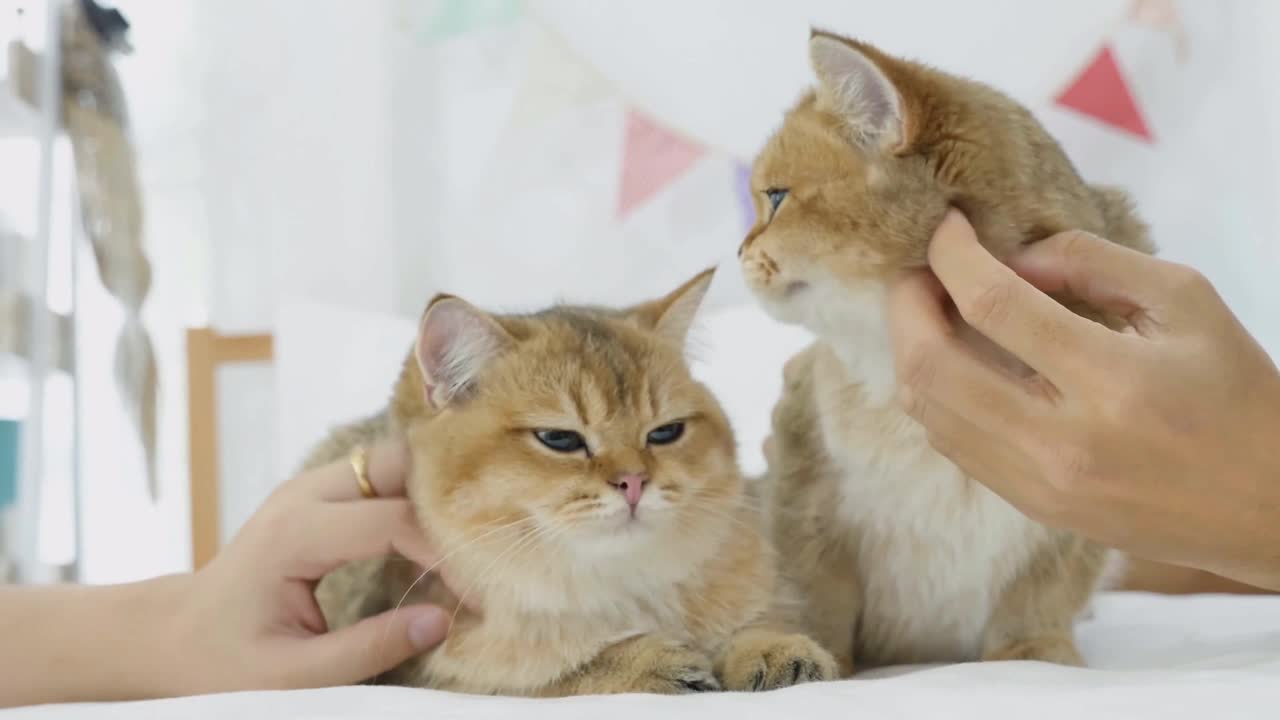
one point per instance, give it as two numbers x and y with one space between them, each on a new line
1055 649
670 668
641 664
763 660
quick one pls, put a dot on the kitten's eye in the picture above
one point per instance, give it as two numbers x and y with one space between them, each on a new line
666 434
565 441
776 196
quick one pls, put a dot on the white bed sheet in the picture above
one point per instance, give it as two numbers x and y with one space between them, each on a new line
1150 656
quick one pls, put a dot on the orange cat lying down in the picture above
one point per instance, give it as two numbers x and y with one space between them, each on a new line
585 490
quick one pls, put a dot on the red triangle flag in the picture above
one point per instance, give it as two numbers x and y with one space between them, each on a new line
1100 92
653 157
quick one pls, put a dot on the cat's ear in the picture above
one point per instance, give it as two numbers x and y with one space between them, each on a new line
853 86
455 342
672 315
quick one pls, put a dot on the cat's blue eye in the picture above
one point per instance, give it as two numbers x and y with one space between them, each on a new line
565 441
666 434
776 196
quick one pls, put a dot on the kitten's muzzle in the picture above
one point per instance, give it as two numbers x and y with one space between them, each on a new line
765 276
759 269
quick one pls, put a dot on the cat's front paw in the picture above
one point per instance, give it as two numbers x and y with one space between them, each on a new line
763 660
1057 649
641 664
671 668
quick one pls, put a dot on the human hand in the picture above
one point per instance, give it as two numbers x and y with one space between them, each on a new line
1162 439
250 618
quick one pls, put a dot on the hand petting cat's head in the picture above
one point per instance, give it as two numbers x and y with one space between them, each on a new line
576 436
850 189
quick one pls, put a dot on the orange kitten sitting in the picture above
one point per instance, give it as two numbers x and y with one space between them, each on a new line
585 490
899 556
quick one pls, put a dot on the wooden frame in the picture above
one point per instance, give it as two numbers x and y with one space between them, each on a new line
206 351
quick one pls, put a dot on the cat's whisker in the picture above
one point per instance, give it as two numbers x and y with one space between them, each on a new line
527 540
469 543
742 500
722 503
554 532
722 514
459 548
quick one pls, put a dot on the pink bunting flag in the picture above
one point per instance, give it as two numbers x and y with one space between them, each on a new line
1162 15
653 157
1100 92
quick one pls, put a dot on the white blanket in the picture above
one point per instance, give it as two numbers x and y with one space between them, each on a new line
1150 656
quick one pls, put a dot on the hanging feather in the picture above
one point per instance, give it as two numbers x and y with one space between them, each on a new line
95 115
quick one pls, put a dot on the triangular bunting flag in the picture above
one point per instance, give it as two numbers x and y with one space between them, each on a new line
1156 13
653 157
455 17
556 82
1102 93
742 187
1161 15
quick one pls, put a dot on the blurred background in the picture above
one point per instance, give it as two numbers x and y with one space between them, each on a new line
220 220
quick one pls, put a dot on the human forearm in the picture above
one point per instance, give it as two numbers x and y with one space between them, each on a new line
68 643
246 621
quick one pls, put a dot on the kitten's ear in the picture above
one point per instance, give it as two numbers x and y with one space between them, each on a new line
455 342
855 88
672 315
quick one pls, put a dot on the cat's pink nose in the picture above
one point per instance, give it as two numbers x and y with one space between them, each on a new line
631 485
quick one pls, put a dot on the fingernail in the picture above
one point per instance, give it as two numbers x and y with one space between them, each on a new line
428 628
1025 259
953 221
1032 256
954 225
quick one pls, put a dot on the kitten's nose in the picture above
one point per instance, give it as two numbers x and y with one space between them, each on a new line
631 485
